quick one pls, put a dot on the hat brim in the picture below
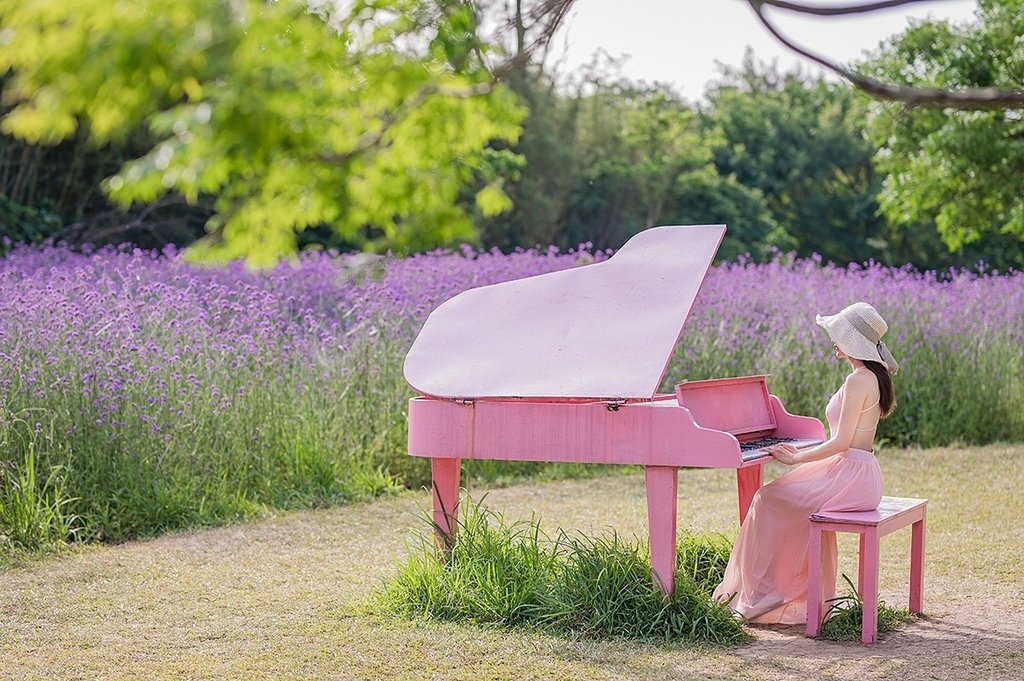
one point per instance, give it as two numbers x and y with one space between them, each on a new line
850 341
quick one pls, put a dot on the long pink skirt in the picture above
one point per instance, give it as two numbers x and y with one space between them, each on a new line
767 570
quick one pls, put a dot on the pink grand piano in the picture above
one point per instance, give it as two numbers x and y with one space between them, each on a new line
565 366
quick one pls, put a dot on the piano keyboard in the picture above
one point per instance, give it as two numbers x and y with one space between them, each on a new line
755 448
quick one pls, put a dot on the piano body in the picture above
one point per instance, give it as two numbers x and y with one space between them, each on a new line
565 367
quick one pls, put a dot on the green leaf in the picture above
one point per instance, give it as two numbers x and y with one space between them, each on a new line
491 200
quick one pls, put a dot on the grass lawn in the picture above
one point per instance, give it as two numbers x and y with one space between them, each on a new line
284 597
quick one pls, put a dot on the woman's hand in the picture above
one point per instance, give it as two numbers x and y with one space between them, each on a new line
786 454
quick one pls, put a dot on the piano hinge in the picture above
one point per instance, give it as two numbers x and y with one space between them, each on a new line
613 405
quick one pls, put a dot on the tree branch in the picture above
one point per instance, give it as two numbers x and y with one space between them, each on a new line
550 12
835 11
966 98
118 221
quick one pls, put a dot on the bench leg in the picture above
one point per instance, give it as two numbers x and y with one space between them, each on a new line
444 476
860 566
661 520
869 594
916 565
814 595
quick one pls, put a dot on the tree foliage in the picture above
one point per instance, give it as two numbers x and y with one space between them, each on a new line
368 119
706 196
639 141
801 143
539 183
610 157
381 126
960 170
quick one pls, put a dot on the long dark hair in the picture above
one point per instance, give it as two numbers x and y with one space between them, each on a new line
886 394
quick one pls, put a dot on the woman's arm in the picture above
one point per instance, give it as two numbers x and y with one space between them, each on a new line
857 391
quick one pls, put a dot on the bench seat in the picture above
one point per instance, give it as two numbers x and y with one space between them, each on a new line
893 513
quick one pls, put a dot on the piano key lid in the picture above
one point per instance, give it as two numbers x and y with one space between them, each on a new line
603 331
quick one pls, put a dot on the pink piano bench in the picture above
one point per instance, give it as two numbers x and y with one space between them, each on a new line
892 514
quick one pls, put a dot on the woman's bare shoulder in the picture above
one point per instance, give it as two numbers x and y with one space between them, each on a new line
861 383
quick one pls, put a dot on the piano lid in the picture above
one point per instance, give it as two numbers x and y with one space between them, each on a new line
603 331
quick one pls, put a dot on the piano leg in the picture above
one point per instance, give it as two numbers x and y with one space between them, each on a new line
661 520
444 476
748 481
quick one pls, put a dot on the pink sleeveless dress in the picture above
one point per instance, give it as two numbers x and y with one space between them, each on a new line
767 570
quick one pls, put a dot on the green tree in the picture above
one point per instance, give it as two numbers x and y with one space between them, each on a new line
960 170
637 145
628 140
705 197
540 184
369 120
801 143
665 142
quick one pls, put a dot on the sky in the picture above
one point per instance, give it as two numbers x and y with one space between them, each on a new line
678 41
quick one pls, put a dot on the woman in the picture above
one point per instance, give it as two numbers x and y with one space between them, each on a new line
766 579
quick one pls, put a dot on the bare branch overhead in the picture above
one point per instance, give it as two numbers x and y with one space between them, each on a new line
834 11
548 15
966 98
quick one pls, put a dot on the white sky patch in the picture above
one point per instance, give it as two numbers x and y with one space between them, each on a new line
678 42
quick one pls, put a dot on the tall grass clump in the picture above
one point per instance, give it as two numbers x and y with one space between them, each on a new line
513 574
33 510
495 572
845 616
157 394
703 557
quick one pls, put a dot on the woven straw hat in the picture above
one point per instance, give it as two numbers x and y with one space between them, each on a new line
857 330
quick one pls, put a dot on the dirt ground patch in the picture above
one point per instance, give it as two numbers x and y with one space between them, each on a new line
283 597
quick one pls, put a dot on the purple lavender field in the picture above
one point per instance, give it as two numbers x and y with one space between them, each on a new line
140 393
